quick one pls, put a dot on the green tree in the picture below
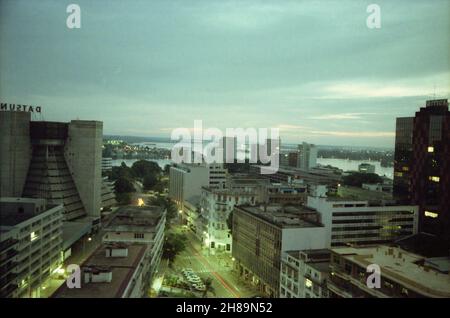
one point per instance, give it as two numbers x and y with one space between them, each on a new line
123 189
167 204
123 171
141 168
208 288
356 179
174 244
149 181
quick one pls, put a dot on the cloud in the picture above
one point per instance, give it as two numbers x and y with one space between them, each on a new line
360 134
342 116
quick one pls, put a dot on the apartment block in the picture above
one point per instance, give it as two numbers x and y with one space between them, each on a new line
304 274
30 245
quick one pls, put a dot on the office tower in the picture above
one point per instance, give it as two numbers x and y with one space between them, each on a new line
262 234
422 165
350 221
30 245
307 156
60 162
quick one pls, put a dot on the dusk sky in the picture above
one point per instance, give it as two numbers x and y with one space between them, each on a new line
311 68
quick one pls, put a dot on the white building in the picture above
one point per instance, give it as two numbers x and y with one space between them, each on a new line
30 245
304 274
364 222
106 165
187 180
307 156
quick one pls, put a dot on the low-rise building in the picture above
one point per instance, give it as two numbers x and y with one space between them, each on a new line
366 168
140 225
262 233
304 274
114 270
402 274
30 245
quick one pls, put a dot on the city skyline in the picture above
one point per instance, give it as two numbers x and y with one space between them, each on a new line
313 70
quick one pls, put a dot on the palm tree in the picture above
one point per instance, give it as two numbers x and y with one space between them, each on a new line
208 288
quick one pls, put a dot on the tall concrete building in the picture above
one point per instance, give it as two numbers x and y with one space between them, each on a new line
422 165
307 156
60 162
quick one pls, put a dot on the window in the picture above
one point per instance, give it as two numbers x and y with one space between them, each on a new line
138 235
430 149
431 214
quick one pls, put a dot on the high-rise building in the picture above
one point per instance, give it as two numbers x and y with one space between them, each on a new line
30 245
422 165
60 162
307 156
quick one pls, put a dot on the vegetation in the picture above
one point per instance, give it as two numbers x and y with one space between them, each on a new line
174 244
167 204
123 171
149 181
143 168
208 288
356 179
123 188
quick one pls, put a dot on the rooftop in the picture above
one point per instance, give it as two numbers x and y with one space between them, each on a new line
400 266
122 269
14 210
285 216
346 193
136 218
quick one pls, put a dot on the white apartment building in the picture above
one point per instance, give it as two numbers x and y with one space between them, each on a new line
30 245
304 274
364 222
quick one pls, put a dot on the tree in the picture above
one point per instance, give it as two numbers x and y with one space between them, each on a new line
149 181
356 179
208 288
141 168
123 188
123 185
174 244
123 171
165 203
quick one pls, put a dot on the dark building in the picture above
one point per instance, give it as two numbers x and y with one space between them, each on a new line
422 165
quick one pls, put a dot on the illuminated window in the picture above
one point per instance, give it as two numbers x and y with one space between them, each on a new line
33 236
405 168
398 174
431 149
434 178
308 283
431 214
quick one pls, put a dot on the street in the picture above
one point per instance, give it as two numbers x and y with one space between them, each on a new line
218 268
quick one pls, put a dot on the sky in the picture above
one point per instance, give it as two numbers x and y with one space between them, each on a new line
313 69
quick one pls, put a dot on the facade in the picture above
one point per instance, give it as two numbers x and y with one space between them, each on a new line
261 234
403 274
366 168
30 245
140 225
60 162
304 274
422 168
364 222
217 204
187 180
106 165
114 270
